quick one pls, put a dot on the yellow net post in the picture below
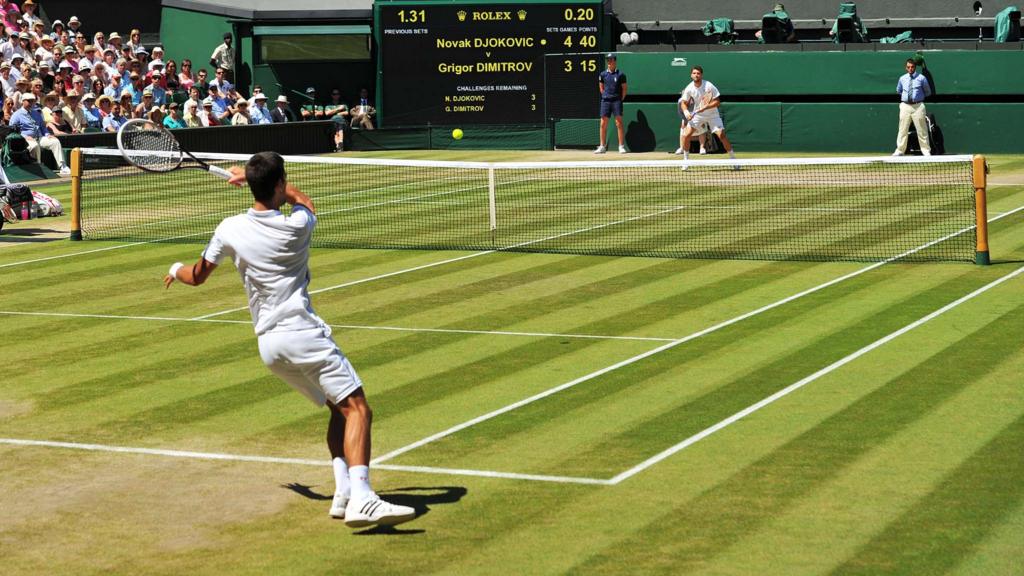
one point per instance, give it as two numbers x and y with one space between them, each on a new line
981 210
76 194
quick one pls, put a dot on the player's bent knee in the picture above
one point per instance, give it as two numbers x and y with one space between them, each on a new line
355 404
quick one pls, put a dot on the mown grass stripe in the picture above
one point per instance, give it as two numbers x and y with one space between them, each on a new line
664 431
942 529
670 421
683 539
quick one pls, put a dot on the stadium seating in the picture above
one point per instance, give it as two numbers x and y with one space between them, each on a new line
663 22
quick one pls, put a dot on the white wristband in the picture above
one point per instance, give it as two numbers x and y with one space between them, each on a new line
174 269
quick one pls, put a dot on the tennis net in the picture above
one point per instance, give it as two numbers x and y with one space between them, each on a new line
857 209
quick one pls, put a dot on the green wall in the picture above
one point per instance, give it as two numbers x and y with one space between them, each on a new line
956 72
813 127
845 124
192 35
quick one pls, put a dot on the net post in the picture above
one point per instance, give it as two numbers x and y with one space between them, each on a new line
980 170
492 204
76 194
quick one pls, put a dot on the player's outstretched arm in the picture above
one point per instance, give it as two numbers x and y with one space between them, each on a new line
193 276
293 196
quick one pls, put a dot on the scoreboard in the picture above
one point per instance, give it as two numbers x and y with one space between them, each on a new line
478 62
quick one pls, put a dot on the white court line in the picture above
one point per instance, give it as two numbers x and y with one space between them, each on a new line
797 385
672 344
361 281
294 461
70 255
118 247
347 326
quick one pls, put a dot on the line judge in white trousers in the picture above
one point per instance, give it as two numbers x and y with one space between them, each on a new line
913 88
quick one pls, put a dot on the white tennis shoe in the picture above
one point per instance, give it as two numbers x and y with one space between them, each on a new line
622 149
338 506
703 151
678 151
600 150
372 510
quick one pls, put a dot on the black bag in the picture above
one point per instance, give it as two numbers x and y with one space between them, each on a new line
935 140
15 150
16 193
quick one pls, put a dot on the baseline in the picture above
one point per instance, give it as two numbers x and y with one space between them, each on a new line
345 326
294 461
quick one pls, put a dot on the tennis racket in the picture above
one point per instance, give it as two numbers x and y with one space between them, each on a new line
151 147
708 98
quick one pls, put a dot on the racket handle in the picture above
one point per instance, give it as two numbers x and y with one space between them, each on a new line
220 172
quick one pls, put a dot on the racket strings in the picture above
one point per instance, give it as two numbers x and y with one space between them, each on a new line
151 147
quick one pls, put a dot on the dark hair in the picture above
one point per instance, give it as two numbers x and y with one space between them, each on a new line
700 68
263 172
911 61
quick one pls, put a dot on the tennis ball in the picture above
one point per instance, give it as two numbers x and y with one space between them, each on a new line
457 133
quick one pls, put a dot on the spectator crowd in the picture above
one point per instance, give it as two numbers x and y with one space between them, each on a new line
62 78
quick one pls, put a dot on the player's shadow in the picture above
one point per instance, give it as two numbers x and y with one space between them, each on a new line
420 498
639 135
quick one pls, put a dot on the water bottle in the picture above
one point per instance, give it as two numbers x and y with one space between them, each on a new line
26 210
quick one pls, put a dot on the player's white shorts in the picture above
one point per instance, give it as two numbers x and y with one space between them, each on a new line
702 124
310 362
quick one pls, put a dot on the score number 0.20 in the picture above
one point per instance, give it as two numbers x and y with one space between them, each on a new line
587 41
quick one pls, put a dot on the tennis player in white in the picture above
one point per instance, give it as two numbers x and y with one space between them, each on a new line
699 105
271 252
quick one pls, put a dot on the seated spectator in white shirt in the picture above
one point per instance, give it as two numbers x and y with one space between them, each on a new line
258 110
28 12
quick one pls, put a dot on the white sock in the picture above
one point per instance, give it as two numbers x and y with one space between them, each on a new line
686 154
359 480
731 155
341 484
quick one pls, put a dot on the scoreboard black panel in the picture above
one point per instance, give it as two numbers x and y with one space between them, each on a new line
476 63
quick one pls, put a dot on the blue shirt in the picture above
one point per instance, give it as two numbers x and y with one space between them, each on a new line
260 115
136 94
172 124
111 123
159 96
28 124
913 89
93 117
220 105
612 82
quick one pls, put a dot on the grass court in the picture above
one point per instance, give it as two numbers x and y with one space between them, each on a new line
544 413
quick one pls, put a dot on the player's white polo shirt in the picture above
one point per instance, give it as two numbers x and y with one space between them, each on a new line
271 252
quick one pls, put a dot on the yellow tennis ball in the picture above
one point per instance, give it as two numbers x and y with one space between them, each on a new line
457 134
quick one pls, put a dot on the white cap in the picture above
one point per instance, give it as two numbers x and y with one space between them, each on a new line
260 96
73 19
282 98
28 96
